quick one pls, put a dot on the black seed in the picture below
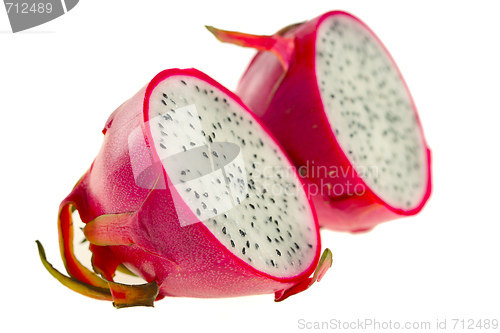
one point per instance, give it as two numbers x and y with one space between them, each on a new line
251 223
232 243
310 246
289 234
184 147
278 229
243 250
198 211
197 88
242 233
272 262
205 194
163 102
297 246
215 222
256 246
203 205
282 239
216 99
215 211
252 206
196 195
165 95
278 252
276 240
224 230
188 189
184 82
161 126
183 172
269 239
205 154
163 146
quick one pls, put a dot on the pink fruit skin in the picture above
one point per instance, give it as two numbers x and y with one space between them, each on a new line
184 261
293 111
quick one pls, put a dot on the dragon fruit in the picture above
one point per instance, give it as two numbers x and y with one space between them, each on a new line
191 193
334 98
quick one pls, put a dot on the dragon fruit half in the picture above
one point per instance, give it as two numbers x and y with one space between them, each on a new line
191 193
334 98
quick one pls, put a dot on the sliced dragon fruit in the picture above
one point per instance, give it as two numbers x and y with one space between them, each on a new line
334 98
191 193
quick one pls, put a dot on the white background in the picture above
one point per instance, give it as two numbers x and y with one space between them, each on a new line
60 81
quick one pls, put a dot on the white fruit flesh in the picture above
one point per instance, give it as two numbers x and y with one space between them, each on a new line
370 111
232 175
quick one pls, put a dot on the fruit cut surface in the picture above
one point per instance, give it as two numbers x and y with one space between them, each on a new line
232 176
371 113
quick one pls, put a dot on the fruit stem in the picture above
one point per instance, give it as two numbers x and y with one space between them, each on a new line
81 279
325 262
109 229
122 295
74 268
72 283
281 47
